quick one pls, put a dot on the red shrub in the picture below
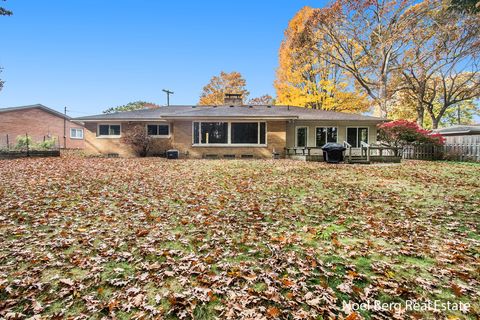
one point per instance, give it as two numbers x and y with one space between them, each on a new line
402 132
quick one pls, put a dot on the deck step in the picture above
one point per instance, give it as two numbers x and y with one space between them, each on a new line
357 159
359 162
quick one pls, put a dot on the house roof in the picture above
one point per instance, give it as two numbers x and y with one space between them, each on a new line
225 112
460 130
36 106
142 114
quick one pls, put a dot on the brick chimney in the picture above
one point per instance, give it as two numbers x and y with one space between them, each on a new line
234 99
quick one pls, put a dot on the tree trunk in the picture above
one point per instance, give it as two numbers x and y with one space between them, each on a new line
420 114
459 118
383 97
435 123
379 108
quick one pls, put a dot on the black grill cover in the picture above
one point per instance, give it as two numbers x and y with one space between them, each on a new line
333 152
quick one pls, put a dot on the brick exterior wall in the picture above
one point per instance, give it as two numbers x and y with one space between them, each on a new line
101 145
181 139
37 123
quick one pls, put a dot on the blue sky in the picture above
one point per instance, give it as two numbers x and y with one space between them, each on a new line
89 55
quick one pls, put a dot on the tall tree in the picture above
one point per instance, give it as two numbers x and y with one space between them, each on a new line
131 106
1 81
449 89
466 6
419 64
5 12
441 65
367 39
460 113
463 113
214 92
266 99
305 78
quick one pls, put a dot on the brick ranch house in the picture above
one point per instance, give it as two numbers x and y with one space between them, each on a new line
40 122
230 130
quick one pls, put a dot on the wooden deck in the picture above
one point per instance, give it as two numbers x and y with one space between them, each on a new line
364 155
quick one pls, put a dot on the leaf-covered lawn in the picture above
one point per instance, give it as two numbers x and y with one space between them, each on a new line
235 239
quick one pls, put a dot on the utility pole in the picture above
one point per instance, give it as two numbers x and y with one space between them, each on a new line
168 92
65 128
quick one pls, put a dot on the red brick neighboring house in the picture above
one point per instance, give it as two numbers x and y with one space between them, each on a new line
40 122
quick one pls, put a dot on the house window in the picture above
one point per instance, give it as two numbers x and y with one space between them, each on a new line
325 135
357 135
245 132
263 133
214 132
108 130
158 130
196 132
301 136
76 133
229 133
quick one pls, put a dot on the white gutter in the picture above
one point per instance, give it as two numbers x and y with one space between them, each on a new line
122 120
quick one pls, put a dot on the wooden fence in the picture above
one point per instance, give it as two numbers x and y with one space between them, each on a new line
462 152
449 151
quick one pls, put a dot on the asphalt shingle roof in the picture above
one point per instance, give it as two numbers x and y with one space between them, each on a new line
147 114
225 112
36 106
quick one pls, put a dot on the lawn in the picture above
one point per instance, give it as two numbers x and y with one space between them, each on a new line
141 238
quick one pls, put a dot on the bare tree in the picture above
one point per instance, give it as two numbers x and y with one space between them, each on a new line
440 65
138 138
451 88
262 100
1 81
5 12
368 39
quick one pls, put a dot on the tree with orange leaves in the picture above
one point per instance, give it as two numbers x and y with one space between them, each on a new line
214 92
305 78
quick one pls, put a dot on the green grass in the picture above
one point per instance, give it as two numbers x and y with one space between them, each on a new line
264 236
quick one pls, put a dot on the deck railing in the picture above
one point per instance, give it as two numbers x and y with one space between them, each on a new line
349 148
365 147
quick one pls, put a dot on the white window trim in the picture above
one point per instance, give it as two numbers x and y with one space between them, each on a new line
76 129
159 135
326 127
357 127
296 136
108 136
229 135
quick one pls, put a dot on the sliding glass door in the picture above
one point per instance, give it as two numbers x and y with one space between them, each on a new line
357 135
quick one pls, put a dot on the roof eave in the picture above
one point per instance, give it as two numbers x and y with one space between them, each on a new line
466 132
229 118
119 120
345 120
